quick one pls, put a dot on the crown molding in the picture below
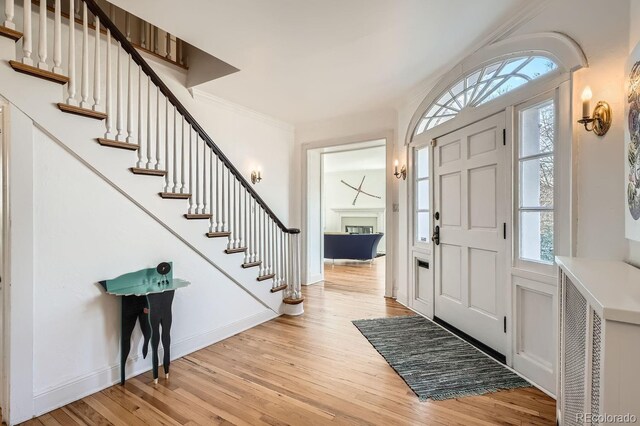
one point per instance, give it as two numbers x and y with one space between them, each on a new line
200 95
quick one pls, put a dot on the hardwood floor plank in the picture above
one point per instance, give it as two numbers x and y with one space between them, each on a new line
316 369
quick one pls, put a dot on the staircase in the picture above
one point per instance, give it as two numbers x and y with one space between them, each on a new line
117 100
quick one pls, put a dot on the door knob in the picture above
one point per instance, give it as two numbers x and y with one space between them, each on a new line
436 235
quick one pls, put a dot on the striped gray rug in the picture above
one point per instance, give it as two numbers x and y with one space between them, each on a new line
433 362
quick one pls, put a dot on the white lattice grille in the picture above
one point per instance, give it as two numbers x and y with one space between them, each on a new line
574 354
595 366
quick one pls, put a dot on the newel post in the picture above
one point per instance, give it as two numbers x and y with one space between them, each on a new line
293 294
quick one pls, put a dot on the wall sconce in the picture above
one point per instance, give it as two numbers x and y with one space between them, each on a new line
400 174
600 120
256 176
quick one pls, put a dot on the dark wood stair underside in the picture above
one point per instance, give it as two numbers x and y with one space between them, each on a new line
84 112
9 33
147 172
118 144
291 301
218 234
279 288
236 250
37 72
265 277
251 264
174 196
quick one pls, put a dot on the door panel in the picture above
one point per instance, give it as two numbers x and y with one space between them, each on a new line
470 262
451 263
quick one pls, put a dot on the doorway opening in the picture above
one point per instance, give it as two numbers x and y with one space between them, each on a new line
346 208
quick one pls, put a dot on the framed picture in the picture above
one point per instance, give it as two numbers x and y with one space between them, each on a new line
632 149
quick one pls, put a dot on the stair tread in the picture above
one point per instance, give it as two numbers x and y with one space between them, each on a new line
9 33
292 301
147 172
37 72
265 277
118 144
218 234
236 250
192 216
279 288
251 264
84 112
175 195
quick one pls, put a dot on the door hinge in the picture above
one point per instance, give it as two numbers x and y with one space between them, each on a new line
505 324
504 230
504 137
434 142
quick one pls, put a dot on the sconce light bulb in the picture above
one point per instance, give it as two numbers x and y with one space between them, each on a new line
587 94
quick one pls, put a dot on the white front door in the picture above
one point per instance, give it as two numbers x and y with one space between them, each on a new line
471 212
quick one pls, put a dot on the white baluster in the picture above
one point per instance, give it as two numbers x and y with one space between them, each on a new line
84 90
247 213
168 46
149 121
108 91
197 149
167 163
236 234
183 189
204 176
140 163
77 14
218 201
143 34
127 25
223 199
176 187
191 188
9 13
97 82
282 278
130 138
57 38
211 189
158 142
71 87
42 39
27 47
119 108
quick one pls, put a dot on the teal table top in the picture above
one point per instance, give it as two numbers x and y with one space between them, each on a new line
143 282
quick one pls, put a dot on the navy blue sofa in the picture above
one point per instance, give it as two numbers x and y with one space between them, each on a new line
351 246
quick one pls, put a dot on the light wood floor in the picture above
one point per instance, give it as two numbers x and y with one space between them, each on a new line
311 370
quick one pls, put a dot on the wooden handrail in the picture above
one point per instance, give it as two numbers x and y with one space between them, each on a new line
146 68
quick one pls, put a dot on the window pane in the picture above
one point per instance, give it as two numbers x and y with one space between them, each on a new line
422 157
537 132
423 195
536 182
536 236
423 227
537 67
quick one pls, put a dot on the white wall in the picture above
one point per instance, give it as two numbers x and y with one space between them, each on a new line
340 196
85 231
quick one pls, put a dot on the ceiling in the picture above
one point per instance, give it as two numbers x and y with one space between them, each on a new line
359 159
309 60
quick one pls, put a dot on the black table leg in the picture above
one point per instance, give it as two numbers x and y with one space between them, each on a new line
160 316
133 308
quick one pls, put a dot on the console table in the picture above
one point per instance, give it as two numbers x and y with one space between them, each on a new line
147 296
599 348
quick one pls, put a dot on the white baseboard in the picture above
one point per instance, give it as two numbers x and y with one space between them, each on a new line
60 395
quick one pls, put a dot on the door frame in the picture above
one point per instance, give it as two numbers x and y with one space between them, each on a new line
507 103
389 137
5 257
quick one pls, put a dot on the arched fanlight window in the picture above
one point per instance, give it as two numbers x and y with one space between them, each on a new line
483 85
